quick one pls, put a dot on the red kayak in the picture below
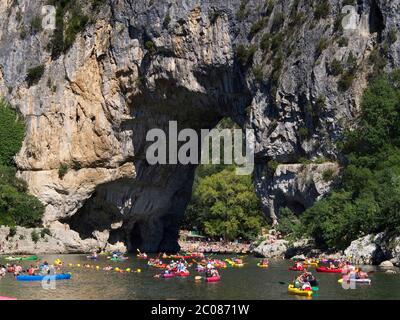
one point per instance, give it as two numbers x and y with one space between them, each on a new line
296 268
7 298
213 279
182 274
327 270
168 275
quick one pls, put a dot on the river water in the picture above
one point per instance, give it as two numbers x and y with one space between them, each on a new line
249 282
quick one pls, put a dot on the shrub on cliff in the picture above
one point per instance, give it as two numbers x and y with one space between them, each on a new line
12 130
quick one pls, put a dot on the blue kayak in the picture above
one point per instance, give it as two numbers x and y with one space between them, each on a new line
62 276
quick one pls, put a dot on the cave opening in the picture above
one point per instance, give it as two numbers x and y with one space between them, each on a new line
146 212
376 20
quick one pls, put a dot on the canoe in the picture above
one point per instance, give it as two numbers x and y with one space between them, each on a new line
327 270
7 298
31 258
299 292
62 276
262 265
182 274
213 279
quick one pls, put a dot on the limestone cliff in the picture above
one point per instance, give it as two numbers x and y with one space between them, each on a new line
139 64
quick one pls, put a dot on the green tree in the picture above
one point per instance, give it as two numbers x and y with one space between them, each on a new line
225 205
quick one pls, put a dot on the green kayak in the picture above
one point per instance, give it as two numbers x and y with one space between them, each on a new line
31 258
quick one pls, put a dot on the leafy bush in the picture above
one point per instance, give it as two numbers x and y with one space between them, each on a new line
225 205
327 175
63 170
345 81
44 232
242 12
258 73
150 46
34 75
12 131
36 24
322 45
336 68
245 55
322 9
12 232
257 26
35 236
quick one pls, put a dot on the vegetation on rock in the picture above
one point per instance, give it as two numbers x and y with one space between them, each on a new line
367 200
17 207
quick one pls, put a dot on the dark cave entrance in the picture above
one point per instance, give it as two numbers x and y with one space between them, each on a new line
136 241
376 20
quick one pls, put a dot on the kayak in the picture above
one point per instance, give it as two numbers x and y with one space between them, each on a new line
310 263
7 298
238 265
262 265
182 274
327 270
296 269
31 258
213 279
62 276
160 266
361 281
168 275
300 292
91 257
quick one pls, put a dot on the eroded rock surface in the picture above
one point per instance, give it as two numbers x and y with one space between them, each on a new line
142 64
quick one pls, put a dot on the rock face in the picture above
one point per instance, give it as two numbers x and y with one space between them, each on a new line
142 64
296 186
273 250
366 250
60 240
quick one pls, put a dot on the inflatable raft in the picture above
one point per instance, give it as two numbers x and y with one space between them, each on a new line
62 276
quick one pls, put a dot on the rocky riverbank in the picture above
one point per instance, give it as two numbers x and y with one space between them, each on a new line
58 240
378 249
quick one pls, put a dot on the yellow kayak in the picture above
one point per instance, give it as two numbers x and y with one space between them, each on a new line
293 290
311 263
238 265
262 265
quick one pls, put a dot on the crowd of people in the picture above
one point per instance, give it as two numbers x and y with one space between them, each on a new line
42 268
215 247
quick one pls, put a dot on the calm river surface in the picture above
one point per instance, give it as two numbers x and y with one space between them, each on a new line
249 282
